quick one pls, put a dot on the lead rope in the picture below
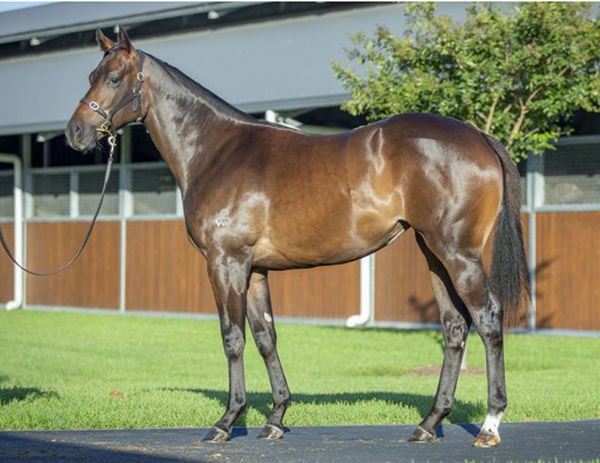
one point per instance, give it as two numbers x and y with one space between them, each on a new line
112 141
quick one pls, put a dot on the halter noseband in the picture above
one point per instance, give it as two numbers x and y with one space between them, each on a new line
136 96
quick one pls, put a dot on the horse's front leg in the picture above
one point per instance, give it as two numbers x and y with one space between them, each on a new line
229 277
260 318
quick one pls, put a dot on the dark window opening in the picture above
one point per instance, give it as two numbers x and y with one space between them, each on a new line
55 151
142 147
10 144
331 116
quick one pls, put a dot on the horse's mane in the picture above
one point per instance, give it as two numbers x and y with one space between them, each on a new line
198 90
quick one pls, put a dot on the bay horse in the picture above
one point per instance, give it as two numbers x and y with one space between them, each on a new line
260 197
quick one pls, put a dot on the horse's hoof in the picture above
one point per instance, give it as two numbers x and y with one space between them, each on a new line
271 432
486 440
421 436
216 436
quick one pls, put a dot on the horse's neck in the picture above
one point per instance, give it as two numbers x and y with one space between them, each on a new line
186 122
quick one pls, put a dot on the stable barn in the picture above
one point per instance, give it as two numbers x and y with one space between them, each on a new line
272 60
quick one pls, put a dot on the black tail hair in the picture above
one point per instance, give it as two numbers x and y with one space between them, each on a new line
509 273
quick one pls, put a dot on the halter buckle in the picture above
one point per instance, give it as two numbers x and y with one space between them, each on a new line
140 77
94 106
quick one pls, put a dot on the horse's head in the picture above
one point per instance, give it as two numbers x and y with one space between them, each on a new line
113 99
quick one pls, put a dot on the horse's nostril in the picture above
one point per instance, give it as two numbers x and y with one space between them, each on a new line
74 133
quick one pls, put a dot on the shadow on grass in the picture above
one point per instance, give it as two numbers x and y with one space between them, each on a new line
18 393
465 412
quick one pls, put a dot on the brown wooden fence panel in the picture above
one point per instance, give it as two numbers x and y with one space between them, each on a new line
7 272
402 284
402 289
164 272
322 292
92 281
568 270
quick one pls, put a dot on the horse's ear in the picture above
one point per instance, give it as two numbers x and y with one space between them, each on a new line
124 40
104 42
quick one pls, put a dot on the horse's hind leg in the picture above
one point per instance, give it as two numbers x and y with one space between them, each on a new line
260 318
464 266
455 321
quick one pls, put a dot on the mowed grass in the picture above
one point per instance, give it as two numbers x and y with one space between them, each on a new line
58 370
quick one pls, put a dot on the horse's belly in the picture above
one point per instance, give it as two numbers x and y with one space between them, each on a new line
310 248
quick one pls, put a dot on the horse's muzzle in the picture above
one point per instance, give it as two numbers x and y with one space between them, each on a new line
80 138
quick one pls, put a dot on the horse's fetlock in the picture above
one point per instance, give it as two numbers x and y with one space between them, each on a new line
442 411
237 404
241 405
498 402
282 397
445 411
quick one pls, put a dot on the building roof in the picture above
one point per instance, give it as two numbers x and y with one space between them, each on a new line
62 25
62 17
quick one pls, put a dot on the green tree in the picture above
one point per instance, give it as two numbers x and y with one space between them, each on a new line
517 73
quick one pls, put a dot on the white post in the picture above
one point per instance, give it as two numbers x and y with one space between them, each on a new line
74 194
125 210
535 199
18 230
367 294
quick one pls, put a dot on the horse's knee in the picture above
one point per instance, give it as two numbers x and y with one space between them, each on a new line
264 343
233 342
455 333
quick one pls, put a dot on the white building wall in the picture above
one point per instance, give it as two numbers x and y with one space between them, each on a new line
278 64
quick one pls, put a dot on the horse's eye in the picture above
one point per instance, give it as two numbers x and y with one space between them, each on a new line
113 81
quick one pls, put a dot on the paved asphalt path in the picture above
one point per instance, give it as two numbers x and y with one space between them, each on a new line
521 442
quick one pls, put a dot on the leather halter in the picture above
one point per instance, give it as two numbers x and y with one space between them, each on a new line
136 96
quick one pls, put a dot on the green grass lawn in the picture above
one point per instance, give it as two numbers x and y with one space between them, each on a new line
57 371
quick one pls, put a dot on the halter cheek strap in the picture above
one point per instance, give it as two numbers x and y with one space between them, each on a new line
135 96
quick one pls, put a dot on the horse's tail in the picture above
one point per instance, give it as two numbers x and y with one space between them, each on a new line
509 270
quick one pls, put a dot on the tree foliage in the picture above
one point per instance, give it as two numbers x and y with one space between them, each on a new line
517 72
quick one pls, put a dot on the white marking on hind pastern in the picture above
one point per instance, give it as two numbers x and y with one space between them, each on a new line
491 423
